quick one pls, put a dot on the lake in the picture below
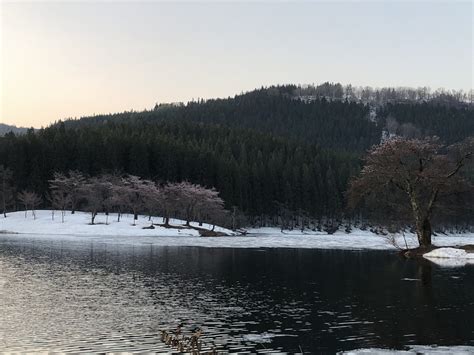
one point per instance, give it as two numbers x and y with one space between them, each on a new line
85 295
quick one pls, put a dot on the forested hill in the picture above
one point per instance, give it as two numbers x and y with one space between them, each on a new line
334 125
269 152
4 129
257 172
350 122
451 124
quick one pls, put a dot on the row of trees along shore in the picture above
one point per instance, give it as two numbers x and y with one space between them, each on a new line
109 193
416 180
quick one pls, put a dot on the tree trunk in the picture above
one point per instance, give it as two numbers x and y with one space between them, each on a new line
423 231
93 217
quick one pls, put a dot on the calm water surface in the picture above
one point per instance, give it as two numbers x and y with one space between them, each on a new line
89 296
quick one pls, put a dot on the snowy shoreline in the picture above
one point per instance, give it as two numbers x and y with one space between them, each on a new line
78 226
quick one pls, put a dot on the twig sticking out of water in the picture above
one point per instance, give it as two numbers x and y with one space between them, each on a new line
189 344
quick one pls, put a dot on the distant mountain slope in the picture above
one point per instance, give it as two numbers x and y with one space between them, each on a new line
333 125
329 120
4 129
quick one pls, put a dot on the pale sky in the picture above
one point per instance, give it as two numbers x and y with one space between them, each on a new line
63 59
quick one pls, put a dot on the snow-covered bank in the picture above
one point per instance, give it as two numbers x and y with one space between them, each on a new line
77 226
364 239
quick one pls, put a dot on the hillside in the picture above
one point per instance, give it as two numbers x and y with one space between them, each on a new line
271 153
333 125
329 115
4 129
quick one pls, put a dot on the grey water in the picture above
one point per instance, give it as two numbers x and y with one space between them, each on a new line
86 296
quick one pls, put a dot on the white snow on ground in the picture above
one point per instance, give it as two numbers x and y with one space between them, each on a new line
77 226
429 349
417 349
450 257
449 253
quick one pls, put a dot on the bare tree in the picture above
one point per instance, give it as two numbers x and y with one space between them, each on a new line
24 200
115 201
72 185
30 200
152 198
171 198
133 189
110 194
97 193
60 196
416 175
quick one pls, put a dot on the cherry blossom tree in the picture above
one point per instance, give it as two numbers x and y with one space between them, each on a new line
414 176
133 191
193 201
210 206
152 198
59 197
171 193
